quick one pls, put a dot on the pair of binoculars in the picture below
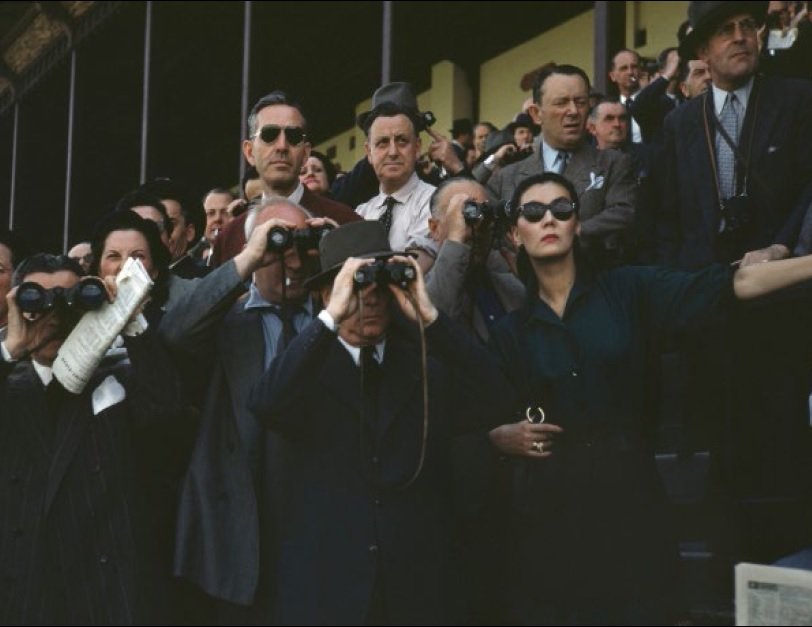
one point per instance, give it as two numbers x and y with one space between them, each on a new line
87 295
280 238
474 212
382 273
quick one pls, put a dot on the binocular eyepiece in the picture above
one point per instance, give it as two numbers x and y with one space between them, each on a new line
308 238
474 212
87 295
382 273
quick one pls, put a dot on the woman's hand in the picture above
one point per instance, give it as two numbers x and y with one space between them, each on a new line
526 439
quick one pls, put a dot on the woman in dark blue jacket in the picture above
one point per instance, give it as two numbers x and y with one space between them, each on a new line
589 538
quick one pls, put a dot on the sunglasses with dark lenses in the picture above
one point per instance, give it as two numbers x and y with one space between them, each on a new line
293 134
87 295
561 208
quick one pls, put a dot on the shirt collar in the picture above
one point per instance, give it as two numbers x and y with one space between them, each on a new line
404 193
549 155
355 351
742 95
255 301
45 373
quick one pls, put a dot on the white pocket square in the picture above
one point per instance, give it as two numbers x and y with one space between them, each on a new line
771 149
595 181
109 392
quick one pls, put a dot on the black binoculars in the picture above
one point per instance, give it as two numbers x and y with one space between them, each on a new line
382 273
474 212
308 238
87 295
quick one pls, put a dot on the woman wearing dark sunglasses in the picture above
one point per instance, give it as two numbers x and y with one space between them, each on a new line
588 532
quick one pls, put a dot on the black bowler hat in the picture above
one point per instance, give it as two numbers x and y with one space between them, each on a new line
497 139
399 94
705 17
365 239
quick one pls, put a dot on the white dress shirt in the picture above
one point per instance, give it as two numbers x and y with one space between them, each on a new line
354 351
410 216
742 95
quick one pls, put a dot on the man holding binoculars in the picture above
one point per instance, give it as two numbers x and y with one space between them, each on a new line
76 538
369 418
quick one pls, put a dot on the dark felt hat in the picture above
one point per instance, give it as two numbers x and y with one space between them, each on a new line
497 139
399 94
461 126
705 17
523 120
365 239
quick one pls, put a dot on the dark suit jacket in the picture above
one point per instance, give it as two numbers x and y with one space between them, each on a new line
81 534
781 156
226 522
232 238
650 107
352 523
605 184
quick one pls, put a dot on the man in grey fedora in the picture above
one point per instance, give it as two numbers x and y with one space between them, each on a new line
740 200
393 127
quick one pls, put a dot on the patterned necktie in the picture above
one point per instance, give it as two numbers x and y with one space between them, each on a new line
386 216
561 161
726 160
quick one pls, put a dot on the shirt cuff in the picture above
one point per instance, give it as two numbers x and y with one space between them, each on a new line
6 355
136 327
328 321
490 162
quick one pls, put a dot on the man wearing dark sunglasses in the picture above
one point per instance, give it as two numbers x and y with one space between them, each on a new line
277 145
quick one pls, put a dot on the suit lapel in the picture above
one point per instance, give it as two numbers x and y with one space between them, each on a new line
26 404
340 377
762 114
401 377
579 167
77 416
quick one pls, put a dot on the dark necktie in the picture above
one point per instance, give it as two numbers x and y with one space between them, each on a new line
386 216
561 161
286 313
371 380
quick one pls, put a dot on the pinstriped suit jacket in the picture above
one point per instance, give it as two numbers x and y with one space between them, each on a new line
79 526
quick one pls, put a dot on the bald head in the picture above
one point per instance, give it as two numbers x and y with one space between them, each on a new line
445 192
283 209
281 281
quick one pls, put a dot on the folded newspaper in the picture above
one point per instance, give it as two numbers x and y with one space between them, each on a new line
773 595
84 348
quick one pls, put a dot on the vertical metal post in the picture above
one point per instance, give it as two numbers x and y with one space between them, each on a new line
69 159
142 177
386 44
246 70
601 39
12 196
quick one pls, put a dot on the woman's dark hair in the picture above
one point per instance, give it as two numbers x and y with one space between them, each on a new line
329 168
524 268
131 221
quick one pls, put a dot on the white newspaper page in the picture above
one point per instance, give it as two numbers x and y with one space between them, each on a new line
773 595
84 348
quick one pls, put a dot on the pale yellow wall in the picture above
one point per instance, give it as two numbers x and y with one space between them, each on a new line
500 95
448 98
661 21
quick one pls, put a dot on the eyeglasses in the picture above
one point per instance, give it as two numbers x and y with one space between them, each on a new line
270 132
747 26
561 208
